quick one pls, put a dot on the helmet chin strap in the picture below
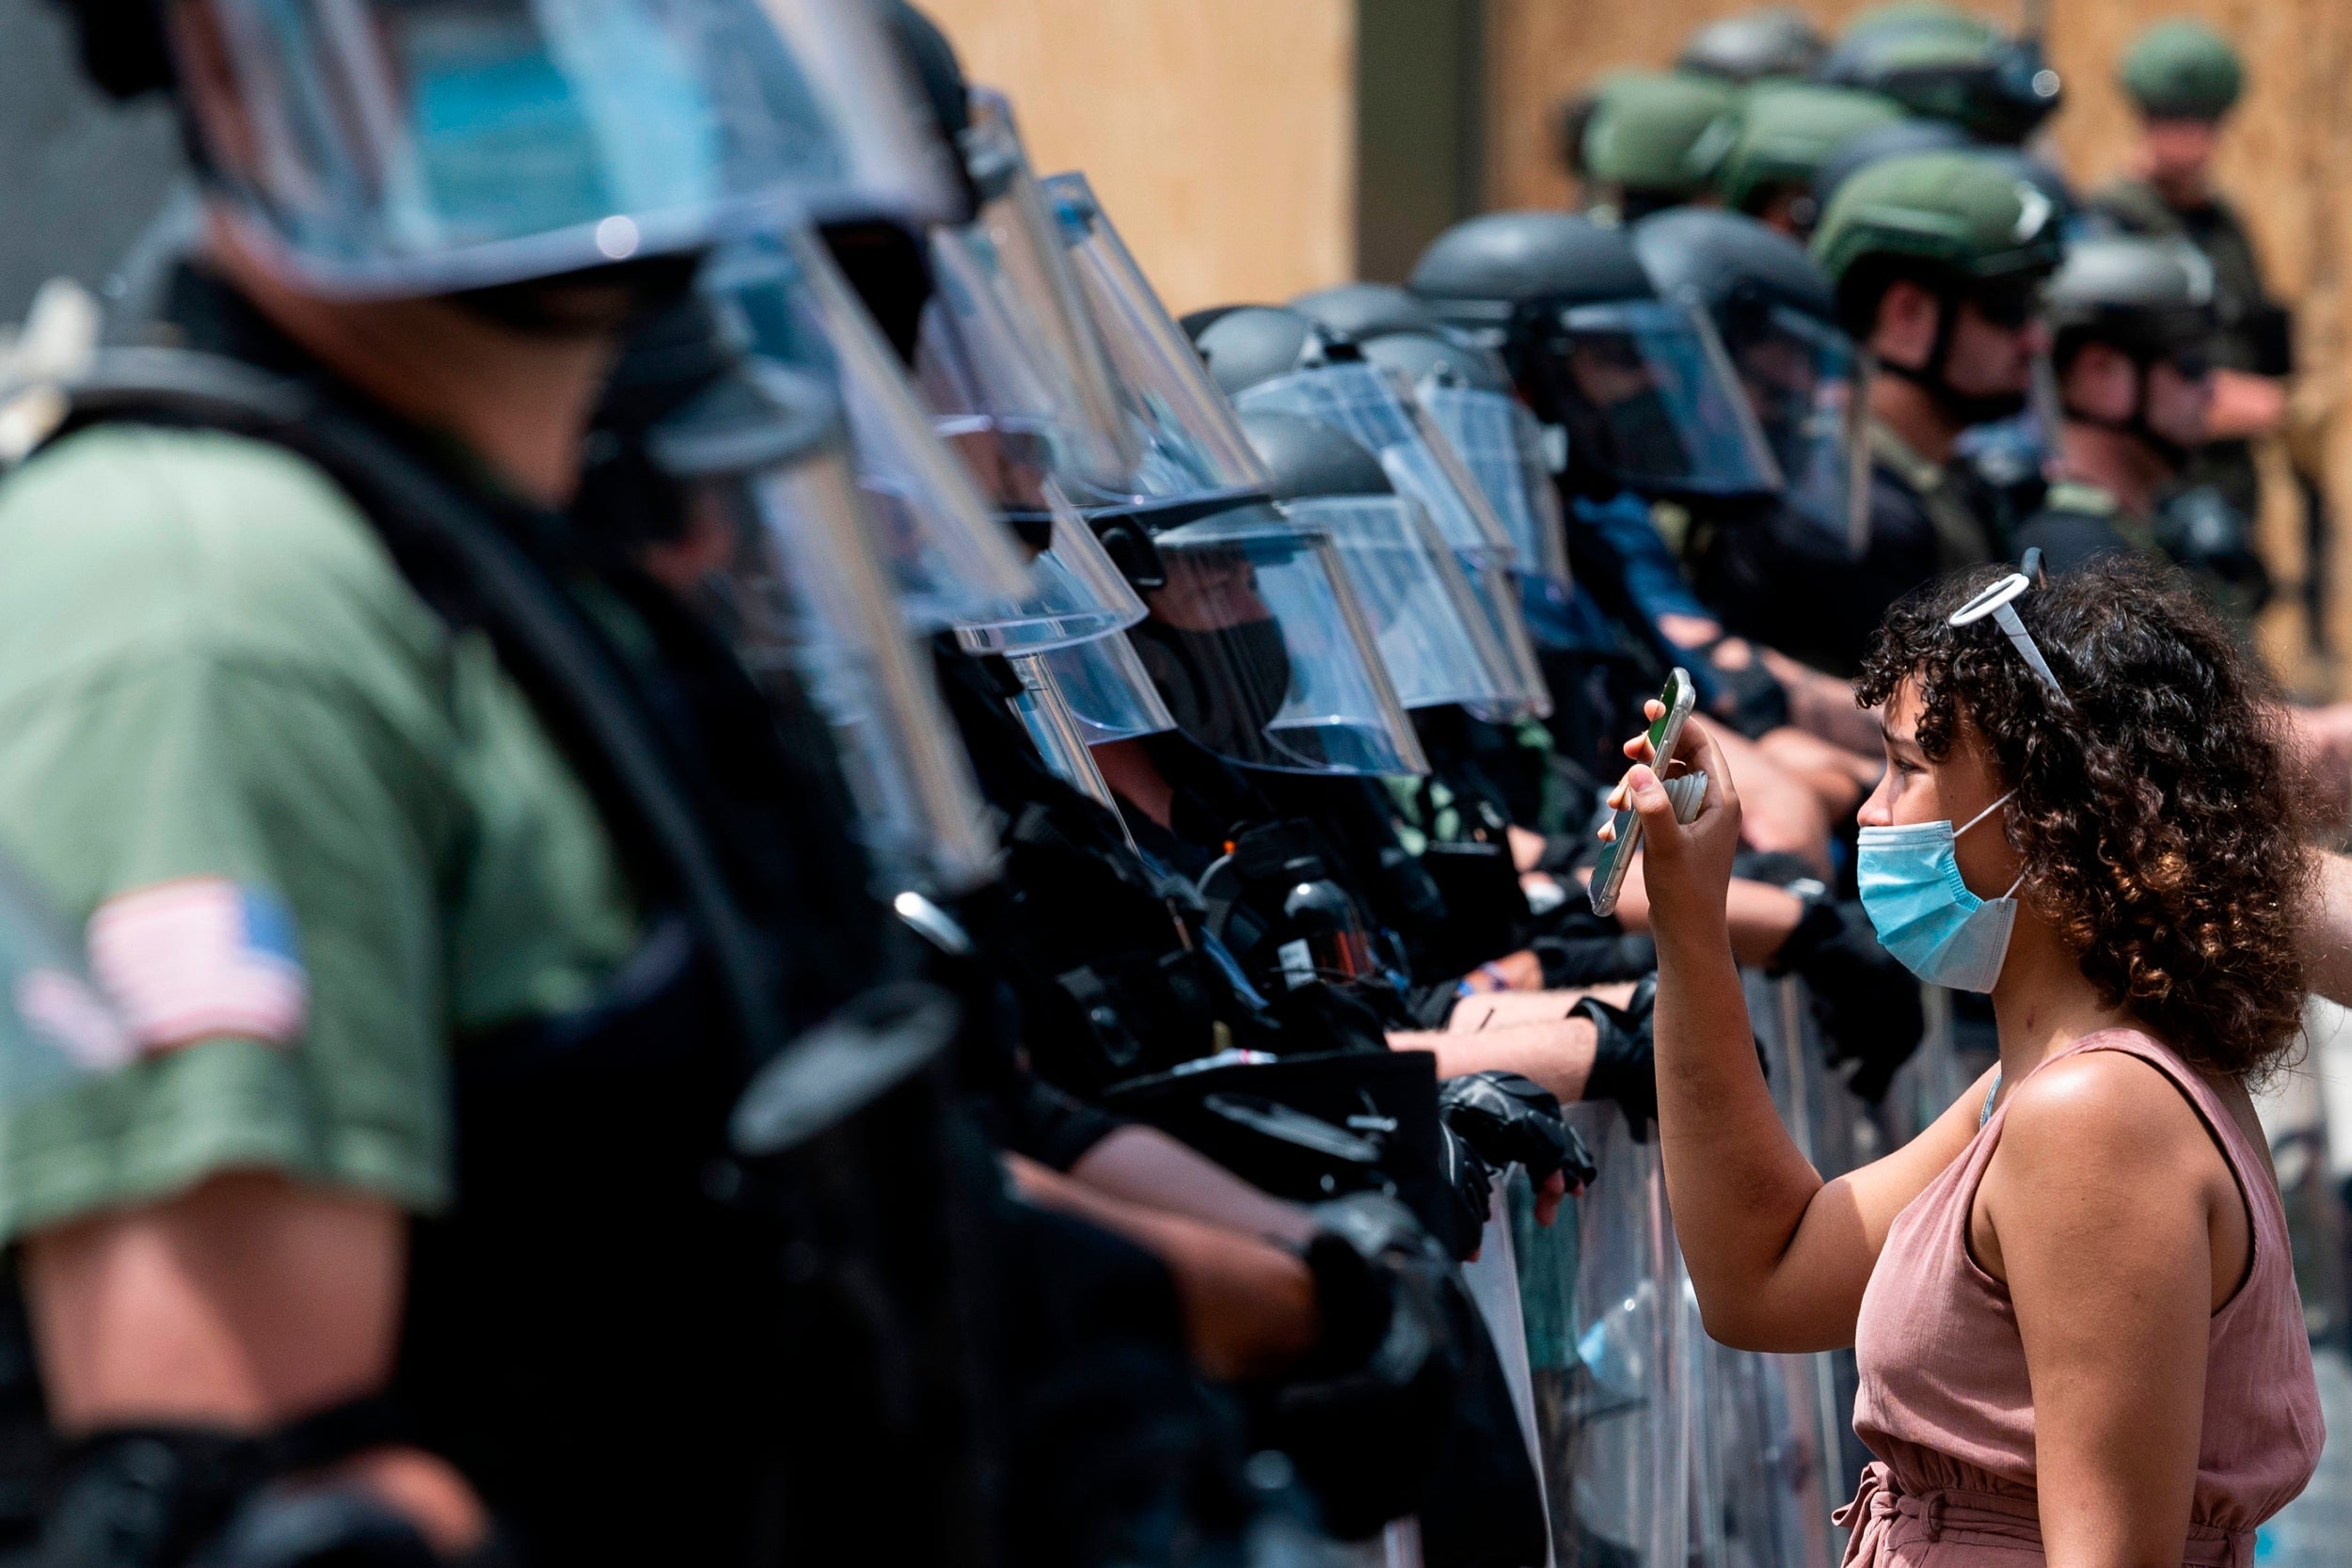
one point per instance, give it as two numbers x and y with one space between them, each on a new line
2175 455
1933 378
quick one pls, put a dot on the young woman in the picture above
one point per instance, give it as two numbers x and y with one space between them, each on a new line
2070 1297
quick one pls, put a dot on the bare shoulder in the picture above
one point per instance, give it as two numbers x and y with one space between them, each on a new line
2106 1118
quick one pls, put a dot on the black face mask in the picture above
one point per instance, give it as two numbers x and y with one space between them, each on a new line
1223 686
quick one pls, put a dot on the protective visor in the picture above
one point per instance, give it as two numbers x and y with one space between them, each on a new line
1261 652
952 559
1106 689
1059 739
1008 356
1435 639
1501 447
805 600
1374 404
410 147
1500 594
1195 459
1078 593
1803 380
1649 398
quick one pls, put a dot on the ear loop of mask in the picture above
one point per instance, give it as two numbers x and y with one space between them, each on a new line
1981 817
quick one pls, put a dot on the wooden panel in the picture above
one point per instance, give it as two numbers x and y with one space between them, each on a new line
1220 134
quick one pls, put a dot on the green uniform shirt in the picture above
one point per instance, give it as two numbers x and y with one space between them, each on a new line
211 668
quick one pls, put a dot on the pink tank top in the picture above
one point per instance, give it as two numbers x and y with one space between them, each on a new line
1946 1404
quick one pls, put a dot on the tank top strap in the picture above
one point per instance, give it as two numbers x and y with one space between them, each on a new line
2244 1159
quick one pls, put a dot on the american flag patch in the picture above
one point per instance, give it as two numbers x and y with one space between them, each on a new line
202 957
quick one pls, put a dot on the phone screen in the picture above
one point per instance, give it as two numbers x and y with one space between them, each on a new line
1677 697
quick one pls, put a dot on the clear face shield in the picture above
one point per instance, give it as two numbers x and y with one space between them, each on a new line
1501 592
412 147
1078 593
1502 447
1435 638
1195 459
804 596
1055 731
1106 689
1007 354
1375 406
951 558
1803 379
1262 654
1649 397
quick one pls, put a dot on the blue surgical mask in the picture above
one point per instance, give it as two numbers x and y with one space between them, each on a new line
1924 913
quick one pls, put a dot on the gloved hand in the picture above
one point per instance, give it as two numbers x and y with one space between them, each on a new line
1366 1420
1864 1001
1747 697
1510 1120
1625 1063
1470 1182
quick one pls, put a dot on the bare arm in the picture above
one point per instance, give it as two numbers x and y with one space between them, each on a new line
1823 705
1778 1259
1249 1305
1144 1166
1556 1052
240 1304
2098 1209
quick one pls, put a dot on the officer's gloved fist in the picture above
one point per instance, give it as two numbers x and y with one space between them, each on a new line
1365 1419
1864 1001
1510 1120
1624 1063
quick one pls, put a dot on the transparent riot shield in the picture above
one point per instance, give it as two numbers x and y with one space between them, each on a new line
1602 1293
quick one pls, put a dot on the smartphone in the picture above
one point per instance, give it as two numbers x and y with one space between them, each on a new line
1679 696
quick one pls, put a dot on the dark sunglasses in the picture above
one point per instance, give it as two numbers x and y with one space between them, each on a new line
2007 306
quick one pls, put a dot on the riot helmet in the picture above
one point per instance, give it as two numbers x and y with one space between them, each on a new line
1777 319
1653 137
1270 360
2182 70
1788 132
392 148
1468 392
1755 46
1639 381
1946 65
789 575
1876 144
1963 226
1434 637
1106 688
1362 311
2152 301
953 562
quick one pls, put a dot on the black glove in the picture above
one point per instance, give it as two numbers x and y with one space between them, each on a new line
1750 699
1509 1119
1625 1065
1864 1001
1469 1183
1367 1418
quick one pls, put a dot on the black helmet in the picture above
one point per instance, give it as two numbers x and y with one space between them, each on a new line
1951 67
1432 355
1729 262
1362 310
1777 41
1596 351
1246 344
1307 457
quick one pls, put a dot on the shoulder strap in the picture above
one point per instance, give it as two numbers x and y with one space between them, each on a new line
434 531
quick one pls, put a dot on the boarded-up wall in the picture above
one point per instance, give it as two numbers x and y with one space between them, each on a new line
1220 133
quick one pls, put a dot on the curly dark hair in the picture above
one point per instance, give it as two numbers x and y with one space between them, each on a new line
2154 812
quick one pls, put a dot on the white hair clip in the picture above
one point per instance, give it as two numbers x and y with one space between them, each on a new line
1997 601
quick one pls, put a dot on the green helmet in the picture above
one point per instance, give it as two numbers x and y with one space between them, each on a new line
1969 216
1659 131
2183 71
1952 68
1786 130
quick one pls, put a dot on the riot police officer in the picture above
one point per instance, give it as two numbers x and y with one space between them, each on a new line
1943 63
1652 139
1776 44
1788 132
1937 259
